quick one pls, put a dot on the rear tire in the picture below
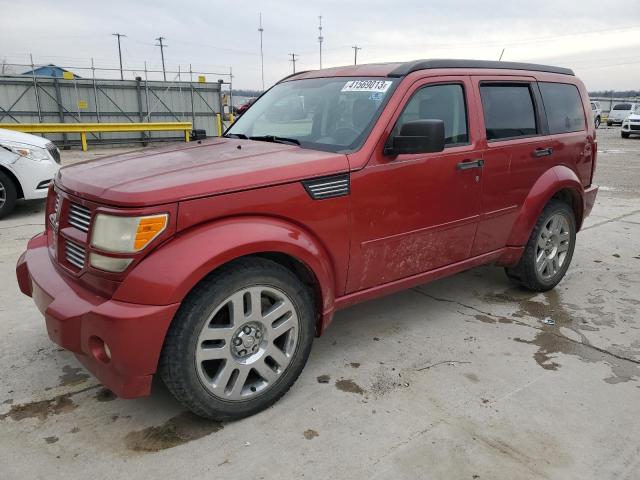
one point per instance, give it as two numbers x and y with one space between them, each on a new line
8 195
549 250
239 340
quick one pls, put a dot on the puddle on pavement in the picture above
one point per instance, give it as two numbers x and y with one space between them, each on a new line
550 341
72 376
42 409
472 377
183 428
323 378
105 395
349 386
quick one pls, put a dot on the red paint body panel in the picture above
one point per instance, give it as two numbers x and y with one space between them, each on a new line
407 219
134 333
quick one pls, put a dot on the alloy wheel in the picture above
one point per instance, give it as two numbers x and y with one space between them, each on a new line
552 247
247 343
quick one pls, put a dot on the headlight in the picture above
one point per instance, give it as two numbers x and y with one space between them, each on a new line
120 234
28 151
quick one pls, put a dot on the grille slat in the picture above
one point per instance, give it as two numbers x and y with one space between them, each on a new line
79 217
55 153
75 254
328 187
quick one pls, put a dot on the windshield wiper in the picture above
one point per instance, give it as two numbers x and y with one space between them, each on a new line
275 139
241 136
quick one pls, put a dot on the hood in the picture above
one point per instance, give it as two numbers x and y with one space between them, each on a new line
26 138
633 117
171 174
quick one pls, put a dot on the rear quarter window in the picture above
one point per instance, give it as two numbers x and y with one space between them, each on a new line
563 106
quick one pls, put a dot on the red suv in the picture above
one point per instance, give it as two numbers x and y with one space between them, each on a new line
215 264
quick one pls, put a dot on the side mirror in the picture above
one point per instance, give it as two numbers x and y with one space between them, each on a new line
417 136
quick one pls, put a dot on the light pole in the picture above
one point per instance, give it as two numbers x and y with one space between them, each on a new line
119 52
162 47
320 38
355 54
261 30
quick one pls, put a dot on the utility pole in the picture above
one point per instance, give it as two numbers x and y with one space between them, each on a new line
355 54
261 30
119 52
320 38
293 60
162 47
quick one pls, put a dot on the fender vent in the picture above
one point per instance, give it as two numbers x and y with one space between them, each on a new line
328 187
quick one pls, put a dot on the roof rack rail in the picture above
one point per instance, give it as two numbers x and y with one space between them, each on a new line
409 67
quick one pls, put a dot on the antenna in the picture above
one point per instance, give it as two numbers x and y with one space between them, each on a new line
500 59
162 47
293 60
320 38
261 30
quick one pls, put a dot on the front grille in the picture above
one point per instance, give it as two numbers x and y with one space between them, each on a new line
79 217
55 153
327 187
75 254
634 127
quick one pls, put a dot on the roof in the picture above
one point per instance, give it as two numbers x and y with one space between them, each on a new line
49 71
400 69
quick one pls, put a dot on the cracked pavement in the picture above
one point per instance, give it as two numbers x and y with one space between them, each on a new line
463 378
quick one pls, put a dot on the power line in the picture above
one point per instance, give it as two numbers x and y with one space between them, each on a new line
162 47
119 52
355 54
293 61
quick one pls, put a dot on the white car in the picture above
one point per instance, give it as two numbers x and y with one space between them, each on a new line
596 111
631 124
619 112
28 164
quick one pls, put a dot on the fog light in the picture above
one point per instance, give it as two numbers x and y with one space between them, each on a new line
99 349
109 264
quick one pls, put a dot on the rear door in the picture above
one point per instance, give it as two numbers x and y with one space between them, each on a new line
518 150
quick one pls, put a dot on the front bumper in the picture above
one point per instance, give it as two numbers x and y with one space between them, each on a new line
83 322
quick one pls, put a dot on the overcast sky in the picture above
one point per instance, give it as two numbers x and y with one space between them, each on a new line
599 39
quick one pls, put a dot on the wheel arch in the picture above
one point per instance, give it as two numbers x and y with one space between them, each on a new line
14 179
175 268
559 182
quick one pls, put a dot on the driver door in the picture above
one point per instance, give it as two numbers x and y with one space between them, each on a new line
413 213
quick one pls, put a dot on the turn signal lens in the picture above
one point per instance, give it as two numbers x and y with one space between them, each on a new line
120 234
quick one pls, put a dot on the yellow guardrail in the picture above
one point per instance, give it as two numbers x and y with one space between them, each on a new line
84 128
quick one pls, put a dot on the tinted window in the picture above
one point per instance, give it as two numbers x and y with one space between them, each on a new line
563 106
508 111
622 106
439 102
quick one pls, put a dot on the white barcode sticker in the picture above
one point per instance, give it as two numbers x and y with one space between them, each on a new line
367 86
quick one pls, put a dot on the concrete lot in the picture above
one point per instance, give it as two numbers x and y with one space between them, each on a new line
457 379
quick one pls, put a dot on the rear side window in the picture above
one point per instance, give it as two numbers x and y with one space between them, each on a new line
440 102
563 106
508 111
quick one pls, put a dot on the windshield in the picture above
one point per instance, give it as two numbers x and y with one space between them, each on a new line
331 114
622 106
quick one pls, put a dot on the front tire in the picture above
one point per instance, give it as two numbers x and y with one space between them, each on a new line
8 195
239 340
624 135
549 250
597 122
609 124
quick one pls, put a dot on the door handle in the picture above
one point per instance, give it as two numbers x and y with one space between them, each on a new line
542 152
469 164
